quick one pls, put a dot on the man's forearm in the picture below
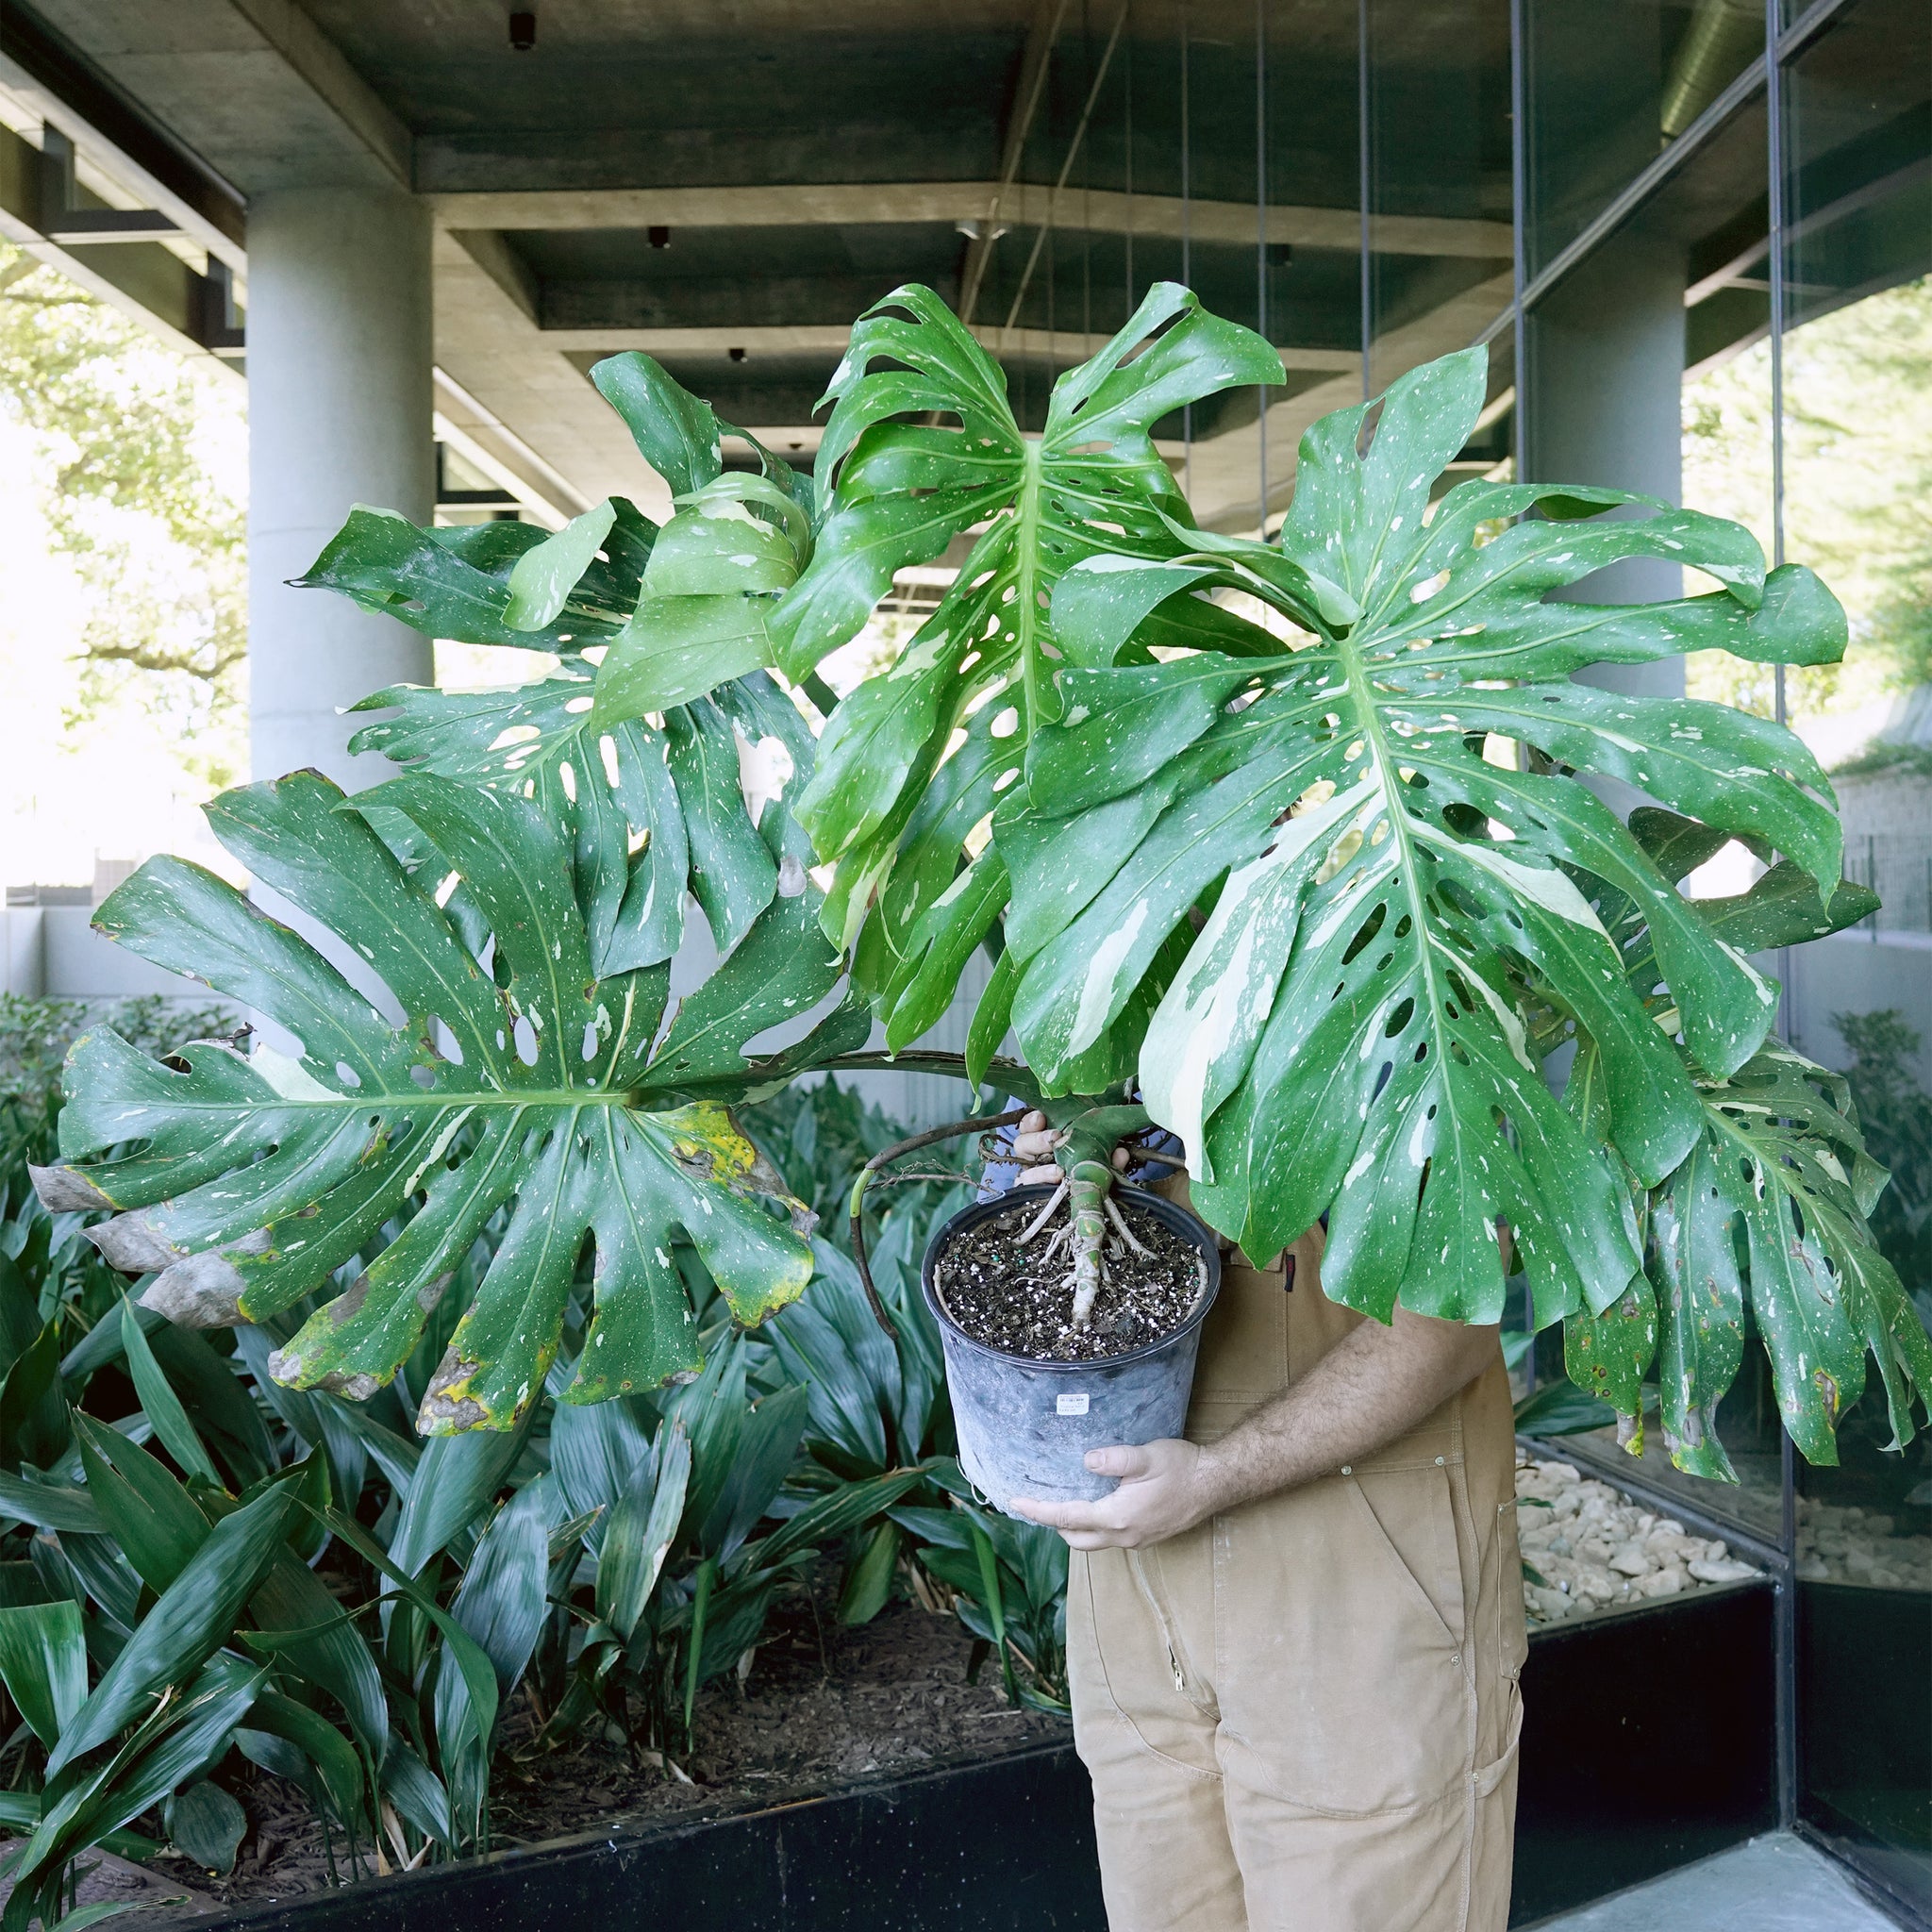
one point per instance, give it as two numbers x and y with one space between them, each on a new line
1371 1389
1373 1386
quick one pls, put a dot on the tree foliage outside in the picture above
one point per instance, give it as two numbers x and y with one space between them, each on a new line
128 630
1858 386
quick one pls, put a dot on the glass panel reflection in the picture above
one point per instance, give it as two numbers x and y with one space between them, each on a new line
1858 430
1611 84
1439 179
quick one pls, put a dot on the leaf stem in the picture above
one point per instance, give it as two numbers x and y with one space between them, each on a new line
864 1179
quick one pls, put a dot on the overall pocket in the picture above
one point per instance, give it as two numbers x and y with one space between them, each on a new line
1341 1662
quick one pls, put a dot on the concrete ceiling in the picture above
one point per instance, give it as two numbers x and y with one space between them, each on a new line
805 159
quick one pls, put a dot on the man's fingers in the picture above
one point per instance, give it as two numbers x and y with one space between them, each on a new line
1036 1146
1077 1517
1123 1157
1048 1175
1122 1460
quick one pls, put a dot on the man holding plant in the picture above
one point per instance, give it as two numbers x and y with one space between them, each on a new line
1294 1637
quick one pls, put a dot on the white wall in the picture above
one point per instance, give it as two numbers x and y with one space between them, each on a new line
53 951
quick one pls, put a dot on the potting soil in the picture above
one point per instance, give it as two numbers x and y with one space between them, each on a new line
1020 1298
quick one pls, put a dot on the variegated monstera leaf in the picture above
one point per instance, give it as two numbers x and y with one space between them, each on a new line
925 451
453 1069
1768 1210
1779 1179
1376 822
633 744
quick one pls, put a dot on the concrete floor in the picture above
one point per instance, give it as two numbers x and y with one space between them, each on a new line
1774 1884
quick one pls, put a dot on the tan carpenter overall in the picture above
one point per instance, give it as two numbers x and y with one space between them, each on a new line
1302 1716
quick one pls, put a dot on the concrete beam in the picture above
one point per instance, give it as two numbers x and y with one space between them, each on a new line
1023 204
254 87
488 345
143 279
113 140
829 340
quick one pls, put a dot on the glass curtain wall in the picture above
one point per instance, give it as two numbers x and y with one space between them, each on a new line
1335 174
1697 237
1725 299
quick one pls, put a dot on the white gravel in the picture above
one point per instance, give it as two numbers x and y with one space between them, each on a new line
1595 1549
1852 1546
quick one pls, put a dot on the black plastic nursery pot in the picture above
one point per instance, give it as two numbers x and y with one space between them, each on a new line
1648 1743
1026 1426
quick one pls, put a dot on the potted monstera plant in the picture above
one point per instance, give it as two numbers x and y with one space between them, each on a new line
1286 846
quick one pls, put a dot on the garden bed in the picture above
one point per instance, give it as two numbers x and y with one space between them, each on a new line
822 1704
1588 1546
842 1763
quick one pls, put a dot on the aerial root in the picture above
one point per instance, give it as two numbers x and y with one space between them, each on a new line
1126 1233
1045 1214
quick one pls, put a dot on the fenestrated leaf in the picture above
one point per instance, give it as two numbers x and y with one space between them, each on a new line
1092 484
738 535
606 786
1784 908
1347 1032
1782 1159
676 649
680 436
545 574
1700 1296
258 1176
1611 1354
456 583
733 876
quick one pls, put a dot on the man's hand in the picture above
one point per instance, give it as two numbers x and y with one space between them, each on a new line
1034 1145
1165 1488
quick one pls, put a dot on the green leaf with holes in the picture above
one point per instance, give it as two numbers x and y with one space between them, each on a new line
1383 898
433 1088
1781 1179
459 583
923 449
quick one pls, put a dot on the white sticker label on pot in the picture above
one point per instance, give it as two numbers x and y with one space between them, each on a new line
1072 1405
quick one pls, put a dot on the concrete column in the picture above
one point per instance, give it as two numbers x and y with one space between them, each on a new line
338 413
1606 356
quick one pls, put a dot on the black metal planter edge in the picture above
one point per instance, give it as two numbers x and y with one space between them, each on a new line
492 1881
